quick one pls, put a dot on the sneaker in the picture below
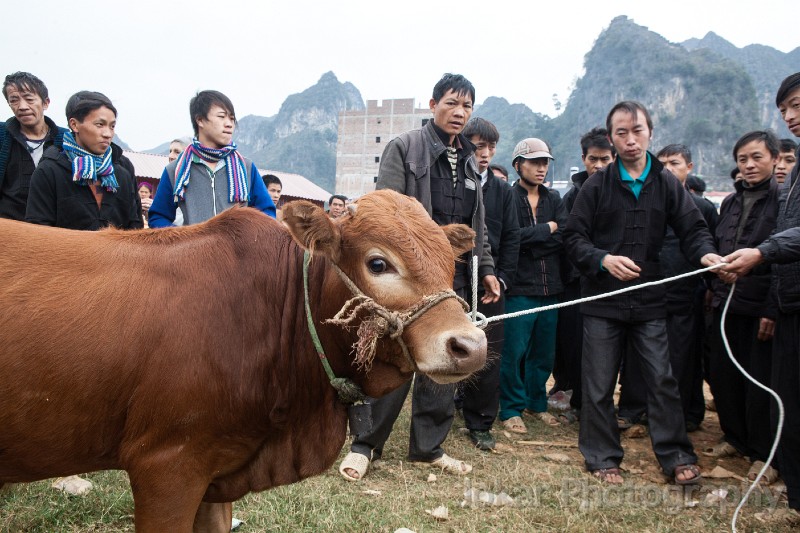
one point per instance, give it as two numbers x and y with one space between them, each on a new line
483 440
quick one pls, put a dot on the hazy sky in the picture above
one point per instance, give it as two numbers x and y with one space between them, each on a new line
150 57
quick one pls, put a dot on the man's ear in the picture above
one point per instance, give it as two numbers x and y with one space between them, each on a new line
461 238
313 229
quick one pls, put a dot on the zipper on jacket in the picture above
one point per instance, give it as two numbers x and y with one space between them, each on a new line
211 175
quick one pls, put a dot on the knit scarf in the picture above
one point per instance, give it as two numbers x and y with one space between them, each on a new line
234 166
88 167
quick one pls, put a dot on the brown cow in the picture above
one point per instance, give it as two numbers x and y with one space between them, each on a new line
183 356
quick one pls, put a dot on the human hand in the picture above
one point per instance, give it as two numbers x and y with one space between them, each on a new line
742 261
766 329
621 267
492 289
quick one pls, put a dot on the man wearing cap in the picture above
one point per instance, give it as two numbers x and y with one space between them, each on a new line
530 340
614 236
436 165
782 251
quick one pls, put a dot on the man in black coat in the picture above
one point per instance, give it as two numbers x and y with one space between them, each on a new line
614 235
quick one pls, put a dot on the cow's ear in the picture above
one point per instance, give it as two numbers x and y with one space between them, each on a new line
313 229
461 237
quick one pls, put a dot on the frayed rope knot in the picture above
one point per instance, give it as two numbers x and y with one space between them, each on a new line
348 391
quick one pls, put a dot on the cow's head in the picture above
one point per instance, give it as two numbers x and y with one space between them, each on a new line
389 246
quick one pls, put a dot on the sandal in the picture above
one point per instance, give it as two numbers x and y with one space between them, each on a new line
515 425
683 469
604 475
721 449
354 461
568 417
547 418
452 465
770 474
624 423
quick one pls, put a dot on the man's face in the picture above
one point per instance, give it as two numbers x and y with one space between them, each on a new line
175 150
676 164
596 159
336 208
274 191
484 152
630 136
96 131
755 162
499 175
452 112
533 170
784 165
216 129
27 106
790 111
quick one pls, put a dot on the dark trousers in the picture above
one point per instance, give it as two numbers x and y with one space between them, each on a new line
432 411
786 382
741 405
569 345
479 395
685 361
603 341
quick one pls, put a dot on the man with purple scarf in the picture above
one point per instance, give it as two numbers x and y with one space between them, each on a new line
210 175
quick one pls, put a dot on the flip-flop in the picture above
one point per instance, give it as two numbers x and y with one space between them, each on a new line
354 461
604 474
452 465
515 425
770 474
680 469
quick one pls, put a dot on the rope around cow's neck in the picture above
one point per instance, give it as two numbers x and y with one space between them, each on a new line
482 321
380 322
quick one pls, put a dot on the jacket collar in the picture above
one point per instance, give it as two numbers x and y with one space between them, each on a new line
741 186
13 127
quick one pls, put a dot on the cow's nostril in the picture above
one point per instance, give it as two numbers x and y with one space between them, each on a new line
459 349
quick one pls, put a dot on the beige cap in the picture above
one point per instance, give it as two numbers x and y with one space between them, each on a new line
531 148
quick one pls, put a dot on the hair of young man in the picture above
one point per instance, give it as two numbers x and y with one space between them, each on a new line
676 149
481 128
503 170
789 84
631 107
25 81
341 197
735 172
455 82
767 137
788 145
596 138
82 103
270 179
202 102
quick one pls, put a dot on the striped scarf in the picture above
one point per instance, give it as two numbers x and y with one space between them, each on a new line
234 166
88 167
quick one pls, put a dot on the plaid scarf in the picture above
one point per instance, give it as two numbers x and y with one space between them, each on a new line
88 167
234 166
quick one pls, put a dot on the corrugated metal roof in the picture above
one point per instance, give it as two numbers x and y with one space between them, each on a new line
147 165
152 166
299 187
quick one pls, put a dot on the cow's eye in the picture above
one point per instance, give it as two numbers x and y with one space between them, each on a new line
377 265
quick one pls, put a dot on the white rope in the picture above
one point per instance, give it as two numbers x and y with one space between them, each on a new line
474 312
767 389
482 321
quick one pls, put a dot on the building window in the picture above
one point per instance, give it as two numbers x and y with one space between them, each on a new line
377 140
375 179
379 121
377 159
424 121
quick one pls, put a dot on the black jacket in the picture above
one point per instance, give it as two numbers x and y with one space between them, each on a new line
538 270
752 291
569 272
503 227
56 200
16 166
607 218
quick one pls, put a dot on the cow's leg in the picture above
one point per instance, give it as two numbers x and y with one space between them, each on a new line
165 500
213 518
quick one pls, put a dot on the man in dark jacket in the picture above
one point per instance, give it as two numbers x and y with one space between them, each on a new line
86 185
436 165
614 235
530 341
596 153
23 139
480 395
782 251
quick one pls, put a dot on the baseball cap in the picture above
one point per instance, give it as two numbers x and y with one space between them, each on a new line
531 148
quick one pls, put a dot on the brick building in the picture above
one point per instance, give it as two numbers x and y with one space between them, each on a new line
362 137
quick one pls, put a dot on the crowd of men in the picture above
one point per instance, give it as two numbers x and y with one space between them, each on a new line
631 217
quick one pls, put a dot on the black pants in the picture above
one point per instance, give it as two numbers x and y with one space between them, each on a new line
786 382
569 345
685 359
603 342
741 405
479 395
